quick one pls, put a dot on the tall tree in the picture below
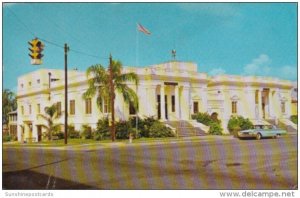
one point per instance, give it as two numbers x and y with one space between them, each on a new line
50 115
9 103
99 84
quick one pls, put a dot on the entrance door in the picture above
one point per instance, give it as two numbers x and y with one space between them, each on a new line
158 106
166 106
39 130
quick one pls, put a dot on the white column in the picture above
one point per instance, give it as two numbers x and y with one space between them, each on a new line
19 133
162 102
270 104
259 105
185 103
177 102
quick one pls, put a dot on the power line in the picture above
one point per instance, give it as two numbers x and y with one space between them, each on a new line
21 22
83 53
53 43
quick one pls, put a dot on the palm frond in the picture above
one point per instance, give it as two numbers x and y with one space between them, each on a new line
116 67
91 91
129 95
44 117
123 78
95 70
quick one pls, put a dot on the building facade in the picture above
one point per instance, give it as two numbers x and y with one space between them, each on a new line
168 91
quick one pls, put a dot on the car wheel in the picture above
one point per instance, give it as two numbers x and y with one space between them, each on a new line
258 136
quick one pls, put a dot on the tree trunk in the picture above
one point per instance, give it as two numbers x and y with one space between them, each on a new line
113 132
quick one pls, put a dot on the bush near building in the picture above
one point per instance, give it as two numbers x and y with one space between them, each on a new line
158 130
148 127
294 119
143 125
237 123
212 121
86 132
72 133
102 130
6 138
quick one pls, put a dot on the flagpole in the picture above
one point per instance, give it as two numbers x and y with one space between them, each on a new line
137 47
136 63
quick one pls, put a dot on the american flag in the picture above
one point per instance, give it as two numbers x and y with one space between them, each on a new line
143 29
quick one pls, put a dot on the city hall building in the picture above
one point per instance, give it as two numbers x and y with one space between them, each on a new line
171 91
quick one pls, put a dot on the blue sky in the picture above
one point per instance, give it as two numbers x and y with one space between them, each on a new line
231 38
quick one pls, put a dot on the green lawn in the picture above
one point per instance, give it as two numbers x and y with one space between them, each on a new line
72 142
58 143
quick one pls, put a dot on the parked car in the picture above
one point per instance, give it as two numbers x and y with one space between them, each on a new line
261 131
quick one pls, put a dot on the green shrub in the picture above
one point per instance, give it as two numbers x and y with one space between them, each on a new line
102 130
238 123
6 138
86 132
123 128
294 119
143 126
158 129
72 133
59 134
203 118
215 128
212 121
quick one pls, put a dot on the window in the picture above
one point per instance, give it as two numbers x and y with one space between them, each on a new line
29 109
106 106
72 107
256 97
173 103
22 110
38 81
196 107
132 110
88 106
282 107
58 107
38 108
234 106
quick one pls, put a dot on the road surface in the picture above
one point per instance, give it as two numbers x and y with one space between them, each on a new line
200 164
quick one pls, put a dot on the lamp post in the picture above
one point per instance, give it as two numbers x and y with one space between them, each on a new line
112 100
66 49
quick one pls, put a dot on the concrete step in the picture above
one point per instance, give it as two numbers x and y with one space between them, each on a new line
185 129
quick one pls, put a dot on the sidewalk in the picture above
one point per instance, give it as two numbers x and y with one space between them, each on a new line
125 143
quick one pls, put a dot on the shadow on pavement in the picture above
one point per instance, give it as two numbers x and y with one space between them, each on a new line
31 180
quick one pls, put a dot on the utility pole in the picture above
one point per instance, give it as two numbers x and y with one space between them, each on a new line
112 100
66 93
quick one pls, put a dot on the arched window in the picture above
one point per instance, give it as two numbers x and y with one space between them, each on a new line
234 101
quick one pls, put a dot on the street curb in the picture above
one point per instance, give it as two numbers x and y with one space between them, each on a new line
100 145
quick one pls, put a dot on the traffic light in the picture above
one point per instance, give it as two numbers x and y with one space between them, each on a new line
36 51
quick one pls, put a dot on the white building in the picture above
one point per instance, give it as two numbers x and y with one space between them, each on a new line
186 91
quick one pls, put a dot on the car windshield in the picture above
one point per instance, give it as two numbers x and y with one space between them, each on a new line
264 127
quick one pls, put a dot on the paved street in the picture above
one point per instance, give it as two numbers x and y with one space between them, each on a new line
212 163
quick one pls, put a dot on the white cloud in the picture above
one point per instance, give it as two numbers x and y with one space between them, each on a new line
258 66
288 72
217 71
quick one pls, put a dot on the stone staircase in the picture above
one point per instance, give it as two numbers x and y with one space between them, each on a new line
185 129
284 124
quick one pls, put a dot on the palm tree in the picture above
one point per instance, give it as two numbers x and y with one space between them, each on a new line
9 103
50 115
99 84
